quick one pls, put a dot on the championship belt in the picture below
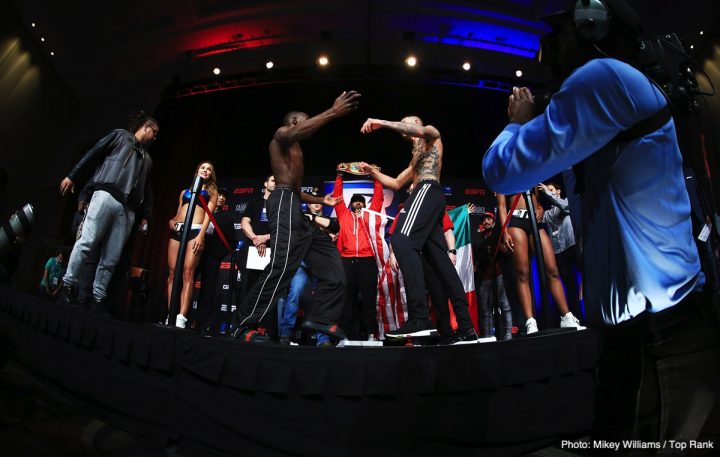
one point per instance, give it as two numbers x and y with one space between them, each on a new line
353 168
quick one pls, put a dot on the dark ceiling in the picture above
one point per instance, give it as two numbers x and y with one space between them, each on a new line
100 44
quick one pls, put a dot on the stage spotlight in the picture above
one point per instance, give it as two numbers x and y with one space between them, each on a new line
216 71
518 73
411 61
52 53
466 66
692 46
269 64
323 61
33 26
42 39
701 32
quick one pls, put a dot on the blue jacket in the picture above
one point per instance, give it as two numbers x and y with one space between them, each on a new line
638 247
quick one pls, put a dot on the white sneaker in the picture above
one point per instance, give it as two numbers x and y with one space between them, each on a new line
570 321
181 321
531 326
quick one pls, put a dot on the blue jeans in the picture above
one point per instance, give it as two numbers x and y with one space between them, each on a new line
287 306
658 376
106 228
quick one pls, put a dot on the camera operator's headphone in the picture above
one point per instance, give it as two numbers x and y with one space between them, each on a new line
592 19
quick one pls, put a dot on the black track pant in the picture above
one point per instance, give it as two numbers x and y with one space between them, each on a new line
438 297
419 231
361 277
291 241
207 307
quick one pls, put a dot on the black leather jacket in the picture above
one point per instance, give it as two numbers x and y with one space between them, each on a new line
124 172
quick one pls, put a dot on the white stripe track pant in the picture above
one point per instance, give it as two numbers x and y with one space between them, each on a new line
292 239
418 231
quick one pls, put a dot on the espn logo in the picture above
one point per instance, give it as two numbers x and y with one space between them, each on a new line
243 190
475 191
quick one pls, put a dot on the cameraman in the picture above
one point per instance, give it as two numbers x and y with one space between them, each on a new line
644 276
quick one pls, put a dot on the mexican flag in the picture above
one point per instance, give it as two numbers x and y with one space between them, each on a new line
464 265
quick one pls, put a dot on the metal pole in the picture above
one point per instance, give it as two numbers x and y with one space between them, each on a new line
496 315
233 282
174 308
539 258
496 312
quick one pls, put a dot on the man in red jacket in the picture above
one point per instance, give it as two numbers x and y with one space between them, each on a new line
358 260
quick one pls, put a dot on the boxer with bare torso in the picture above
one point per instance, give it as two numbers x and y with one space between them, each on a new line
291 239
419 228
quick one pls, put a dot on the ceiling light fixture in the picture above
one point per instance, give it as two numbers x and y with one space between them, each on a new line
269 64
692 46
518 73
42 39
216 71
411 61
52 53
323 61
701 32
466 66
33 25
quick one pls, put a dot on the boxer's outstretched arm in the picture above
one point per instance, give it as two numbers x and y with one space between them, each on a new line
290 134
388 181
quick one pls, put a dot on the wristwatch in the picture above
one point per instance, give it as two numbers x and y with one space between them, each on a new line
452 251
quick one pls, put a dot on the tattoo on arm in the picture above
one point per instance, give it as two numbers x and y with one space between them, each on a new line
406 128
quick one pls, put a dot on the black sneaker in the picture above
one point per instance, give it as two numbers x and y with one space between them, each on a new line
331 330
284 341
69 295
247 335
465 337
99 307
413 327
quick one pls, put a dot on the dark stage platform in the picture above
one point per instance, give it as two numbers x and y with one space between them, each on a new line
220 397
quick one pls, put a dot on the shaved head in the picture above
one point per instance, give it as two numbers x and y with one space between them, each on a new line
412 120
293 117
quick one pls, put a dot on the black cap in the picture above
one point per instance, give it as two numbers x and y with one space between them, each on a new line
357 198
